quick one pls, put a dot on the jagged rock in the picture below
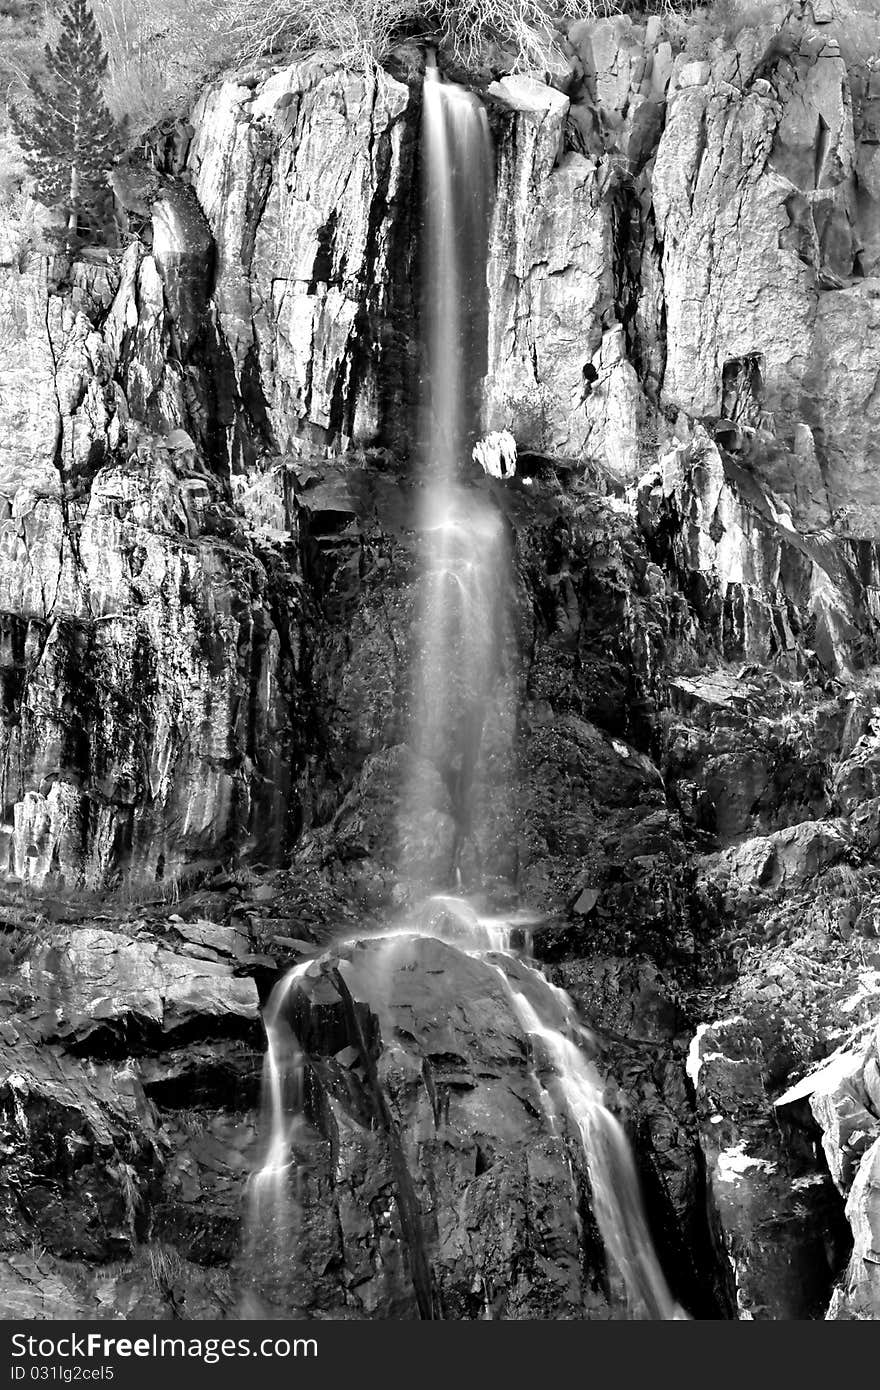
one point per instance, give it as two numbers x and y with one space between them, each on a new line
370 835
859 1294
786 1092
740 762
303 180
780 1219
82 1153
31 402
496 454
737 159
221 939
158 1285
613 409
198 1213
575 782
101 781
88 983
785 861
127 571
33 1288
737 540
845 1100
183 249
841 1106
461 1106
549 274
627 70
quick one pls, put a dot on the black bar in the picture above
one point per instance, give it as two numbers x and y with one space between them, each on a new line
495 1355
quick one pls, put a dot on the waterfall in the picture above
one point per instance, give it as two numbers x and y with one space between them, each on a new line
272 1205
457 177
282 1094
463 555
457 668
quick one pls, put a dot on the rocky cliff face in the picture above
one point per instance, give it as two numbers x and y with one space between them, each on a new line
207 572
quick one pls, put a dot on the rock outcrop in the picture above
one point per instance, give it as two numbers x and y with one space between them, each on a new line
304 179
130 1069
767 258
428 1183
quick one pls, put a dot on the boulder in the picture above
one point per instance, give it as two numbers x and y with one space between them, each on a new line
91 985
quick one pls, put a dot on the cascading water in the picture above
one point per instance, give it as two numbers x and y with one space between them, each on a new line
272 1198
617 1200
282 1106
455 691
573 1092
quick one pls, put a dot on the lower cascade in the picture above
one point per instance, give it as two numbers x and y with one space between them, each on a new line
384 1011
563 1084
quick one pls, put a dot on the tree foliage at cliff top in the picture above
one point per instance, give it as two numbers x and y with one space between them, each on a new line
69 138
368 28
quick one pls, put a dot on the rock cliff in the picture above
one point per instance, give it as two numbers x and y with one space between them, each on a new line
207 569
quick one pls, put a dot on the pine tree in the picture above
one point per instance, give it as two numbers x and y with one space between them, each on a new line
70 139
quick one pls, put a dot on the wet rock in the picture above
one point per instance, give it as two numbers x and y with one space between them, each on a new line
82 1154
183 249
198 1213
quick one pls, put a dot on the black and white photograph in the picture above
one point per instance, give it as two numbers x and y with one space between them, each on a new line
439 676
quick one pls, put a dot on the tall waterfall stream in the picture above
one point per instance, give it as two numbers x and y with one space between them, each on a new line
463 585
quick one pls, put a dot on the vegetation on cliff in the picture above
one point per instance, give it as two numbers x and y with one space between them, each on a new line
69 138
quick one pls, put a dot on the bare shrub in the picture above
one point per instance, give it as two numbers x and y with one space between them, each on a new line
22 228
364 30
357 32
526 26
21 45
22 220
160 52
